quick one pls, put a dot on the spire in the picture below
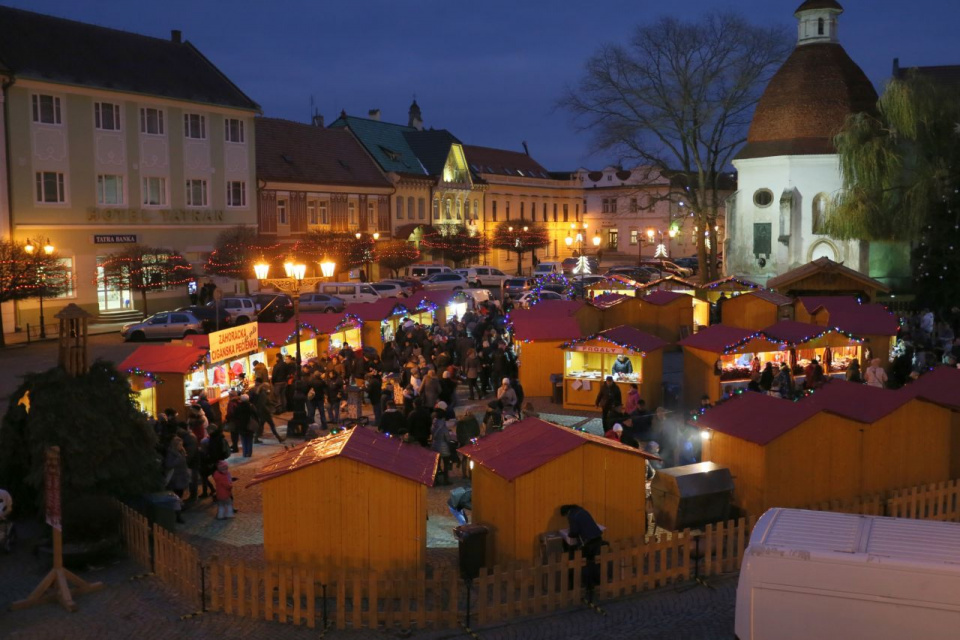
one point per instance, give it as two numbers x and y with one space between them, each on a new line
817 21
416 118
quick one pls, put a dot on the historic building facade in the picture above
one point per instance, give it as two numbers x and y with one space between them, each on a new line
102 155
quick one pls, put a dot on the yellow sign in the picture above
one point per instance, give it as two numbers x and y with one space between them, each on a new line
597 349
233 342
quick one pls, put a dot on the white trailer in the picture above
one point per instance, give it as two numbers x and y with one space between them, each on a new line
816 574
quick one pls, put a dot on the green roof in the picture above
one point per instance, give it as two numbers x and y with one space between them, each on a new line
385 142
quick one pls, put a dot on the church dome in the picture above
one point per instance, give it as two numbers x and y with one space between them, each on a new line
809 98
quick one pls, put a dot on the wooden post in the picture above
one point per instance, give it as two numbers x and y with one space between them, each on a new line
55 586
72 353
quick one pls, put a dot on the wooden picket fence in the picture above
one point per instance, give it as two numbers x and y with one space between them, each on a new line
135 531
940 501
177 562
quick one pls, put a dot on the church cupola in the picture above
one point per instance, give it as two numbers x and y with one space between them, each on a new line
817 21
415 118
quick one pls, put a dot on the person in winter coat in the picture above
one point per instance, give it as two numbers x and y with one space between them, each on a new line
224 495
492 419
448 388
229 423
430 389
440 443
471 367
608 398
784 381
244 422
334 396
213 449
175 467
875 375
391 421
419 425
767 377
192 447
197 422
507 397
853 372
374 384
265 405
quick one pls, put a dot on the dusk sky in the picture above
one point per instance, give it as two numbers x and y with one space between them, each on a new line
489 72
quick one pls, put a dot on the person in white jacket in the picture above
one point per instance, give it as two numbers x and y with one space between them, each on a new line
875 375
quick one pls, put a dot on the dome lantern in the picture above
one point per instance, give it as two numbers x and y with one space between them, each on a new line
817 21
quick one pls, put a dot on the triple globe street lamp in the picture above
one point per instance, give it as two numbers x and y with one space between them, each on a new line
31 250
295 280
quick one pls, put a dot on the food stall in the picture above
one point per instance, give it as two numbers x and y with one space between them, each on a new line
333 331
165 376
381 320
730 287
232 352
620 285
588 361
873 322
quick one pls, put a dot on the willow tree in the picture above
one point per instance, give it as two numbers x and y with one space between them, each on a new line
678 98
901 179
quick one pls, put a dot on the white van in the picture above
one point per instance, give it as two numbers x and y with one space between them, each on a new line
349 291
817 574
424 271
544 268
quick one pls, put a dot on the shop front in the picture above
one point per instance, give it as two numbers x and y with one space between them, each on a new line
626 354
333 332
165 376
233 352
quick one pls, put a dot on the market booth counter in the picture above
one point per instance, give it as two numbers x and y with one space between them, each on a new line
588 361
523 474
382 319
844 441
617 285
165 376
353 500
538 333
333 331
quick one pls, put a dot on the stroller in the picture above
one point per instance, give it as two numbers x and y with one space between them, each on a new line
7 532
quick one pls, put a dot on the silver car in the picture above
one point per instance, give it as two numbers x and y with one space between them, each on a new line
445 282
388 289
321 303
517 286
166 324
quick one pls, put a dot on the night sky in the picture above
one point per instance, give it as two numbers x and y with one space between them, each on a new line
490 72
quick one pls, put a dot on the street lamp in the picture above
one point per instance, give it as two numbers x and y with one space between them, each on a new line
376 236
48 250
292 284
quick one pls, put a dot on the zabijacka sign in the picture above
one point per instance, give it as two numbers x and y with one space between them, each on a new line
233 342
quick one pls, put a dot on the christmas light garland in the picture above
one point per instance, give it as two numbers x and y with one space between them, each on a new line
600 336
550 278
731 348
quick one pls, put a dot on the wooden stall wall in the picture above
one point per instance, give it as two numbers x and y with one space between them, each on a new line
611 486
539 495
651 387
698 376
538 360
624 312
494 504
747 464
590 320
750 312
955 444
171 394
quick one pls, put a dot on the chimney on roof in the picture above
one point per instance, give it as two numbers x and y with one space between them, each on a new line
896 67
374 114
416 118
526 149
317 120
176 36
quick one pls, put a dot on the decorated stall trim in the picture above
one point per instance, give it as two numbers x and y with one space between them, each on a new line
731 287
620 285
550 281
873 322
163 376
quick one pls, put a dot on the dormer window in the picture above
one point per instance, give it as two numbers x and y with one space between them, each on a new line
820 26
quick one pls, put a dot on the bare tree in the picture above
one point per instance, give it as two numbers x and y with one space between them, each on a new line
144 269
25 274
678 99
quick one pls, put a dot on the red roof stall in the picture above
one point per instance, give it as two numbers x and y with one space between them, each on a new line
353 500
669 315
729 287
723 356
756 309
320 334
873 322
538 333
382 319
165 376
523 474
629 355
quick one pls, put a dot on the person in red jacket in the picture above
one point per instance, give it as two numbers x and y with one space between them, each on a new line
224 484
615 432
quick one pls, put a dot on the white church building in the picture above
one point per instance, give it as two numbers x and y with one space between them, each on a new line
789 169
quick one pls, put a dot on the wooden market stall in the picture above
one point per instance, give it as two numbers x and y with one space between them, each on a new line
443 306
942 386
383 318
537 334
522 475
872 322
619 285
333 331
670 283
845 441
588 361
165 376
824 277
756 309
232 351
669 315
353 500
729 287
722 356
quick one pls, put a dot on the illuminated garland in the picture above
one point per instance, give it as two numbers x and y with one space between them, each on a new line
137 371
551 278
600 336
761 334
723 281
145 269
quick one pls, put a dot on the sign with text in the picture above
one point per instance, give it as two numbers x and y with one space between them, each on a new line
114 239
233 342
51 487
596 349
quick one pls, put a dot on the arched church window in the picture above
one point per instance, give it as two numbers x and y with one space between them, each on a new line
819 213
763 197
436 209
446 209
820 26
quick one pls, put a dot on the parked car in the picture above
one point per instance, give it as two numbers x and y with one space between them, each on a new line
517 286
586 280
638 274
208 317
409 285
478 295
543 268
445 281
667 267
166 324
423 271
273 307
389 289
350 291
241 309
527 299
482 276
691 263
321 303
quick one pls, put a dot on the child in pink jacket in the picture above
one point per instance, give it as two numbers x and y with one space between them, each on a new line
224 485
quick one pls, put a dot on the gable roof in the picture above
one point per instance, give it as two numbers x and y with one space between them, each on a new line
941 386
535 324
531 443
824 265
718 337
850 315
503 162
730 283
303 153
661 297
327 323
385 142
607 300
756 417
432 147
669 280
51 49
772 297
628 337
361 445
379 310
163 358
829 303
793 332
859 402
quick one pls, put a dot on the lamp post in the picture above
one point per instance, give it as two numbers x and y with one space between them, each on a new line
376 236
296 279
48 250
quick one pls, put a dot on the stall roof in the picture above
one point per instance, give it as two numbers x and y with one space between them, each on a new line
276 332
859 402
531 443
327 323
849 314
667 280
731 280
717 338
379 310
793 332
629 337
756 417
163 358
361 445
824 265
607 300
830 303
661 297
941 386
533 324
772 297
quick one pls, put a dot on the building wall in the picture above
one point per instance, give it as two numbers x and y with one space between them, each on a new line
79 151
750 312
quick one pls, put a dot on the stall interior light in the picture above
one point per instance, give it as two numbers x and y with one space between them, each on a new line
471 465
706 434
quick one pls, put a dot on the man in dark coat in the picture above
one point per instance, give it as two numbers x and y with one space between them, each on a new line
392 421
419 423
278 377
608 398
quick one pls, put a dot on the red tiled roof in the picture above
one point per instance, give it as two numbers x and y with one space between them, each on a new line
716 338
503 162
530 325
163 358
327 323
756 417
361 445
940 386
531 443
379 310
661 297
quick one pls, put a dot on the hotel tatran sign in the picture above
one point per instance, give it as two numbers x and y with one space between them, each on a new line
233 342
155 216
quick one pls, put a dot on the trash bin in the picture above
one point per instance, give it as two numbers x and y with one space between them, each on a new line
473 549
691 496
556 383
161 508
354 403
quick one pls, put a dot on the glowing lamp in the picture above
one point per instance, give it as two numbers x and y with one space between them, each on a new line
29 248
706 434
568 240
48 249
261 269
650 234
299 271
358 235
376 235
471 465
673 233
327 268
526 228
596 241
288 269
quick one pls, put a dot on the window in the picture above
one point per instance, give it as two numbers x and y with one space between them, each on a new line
312 212
106 116
194 126
493 210
421 209
819 213
196 193
476 209
109 190
436 209
281 211
634 237
554 211
236 193
324 219
50 187
459 209
566 213
399 208
371 214
154 192
352 213
613 239
633 205
820 26
446 209
576 213
410 207
46 109
521 211
544 211
151 121
66 264
507 209
233 130
762 198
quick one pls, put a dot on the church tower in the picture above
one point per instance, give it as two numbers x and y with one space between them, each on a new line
789 170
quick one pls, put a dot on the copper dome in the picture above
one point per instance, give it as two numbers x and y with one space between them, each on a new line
806 103
819 4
